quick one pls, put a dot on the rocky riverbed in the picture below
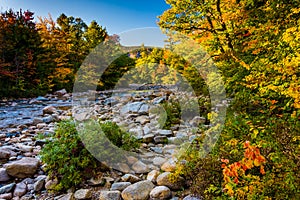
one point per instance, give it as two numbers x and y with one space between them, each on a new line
139 112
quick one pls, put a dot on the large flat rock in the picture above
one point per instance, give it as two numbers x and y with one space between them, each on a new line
26 167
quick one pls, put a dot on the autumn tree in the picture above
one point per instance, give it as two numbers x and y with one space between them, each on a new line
255 43
19 50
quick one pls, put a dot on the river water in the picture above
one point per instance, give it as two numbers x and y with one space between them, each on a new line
18 112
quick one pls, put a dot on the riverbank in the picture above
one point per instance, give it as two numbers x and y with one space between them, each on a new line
21 171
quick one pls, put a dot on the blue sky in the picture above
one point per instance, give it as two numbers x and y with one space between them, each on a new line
116 15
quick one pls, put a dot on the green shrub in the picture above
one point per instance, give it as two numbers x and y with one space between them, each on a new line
173 113
119 137
66 158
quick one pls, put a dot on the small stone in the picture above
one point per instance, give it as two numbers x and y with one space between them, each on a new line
48 119
4 154
3 175
158 100
24 148
39 183
40 98
148 138
197 120
138 191
83 194
142 120
167 133
169 166
96 181
132 107
161 139
152 176
157 149
110 195
37 121
144 109
27 197
6 196
26 167
160 192
7 188
20 189
140 167
163 180
131 160
158 161
49 110
61 92
50 184
146 130
130 178
69 196
41 125
123 167
120 186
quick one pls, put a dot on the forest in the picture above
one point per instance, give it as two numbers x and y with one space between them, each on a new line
254 43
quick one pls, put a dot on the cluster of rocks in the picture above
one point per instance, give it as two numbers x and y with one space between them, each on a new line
141 113
21 172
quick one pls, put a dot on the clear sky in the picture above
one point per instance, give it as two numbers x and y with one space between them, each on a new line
116 15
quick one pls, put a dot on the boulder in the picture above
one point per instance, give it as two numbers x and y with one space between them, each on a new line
138 191
26 167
